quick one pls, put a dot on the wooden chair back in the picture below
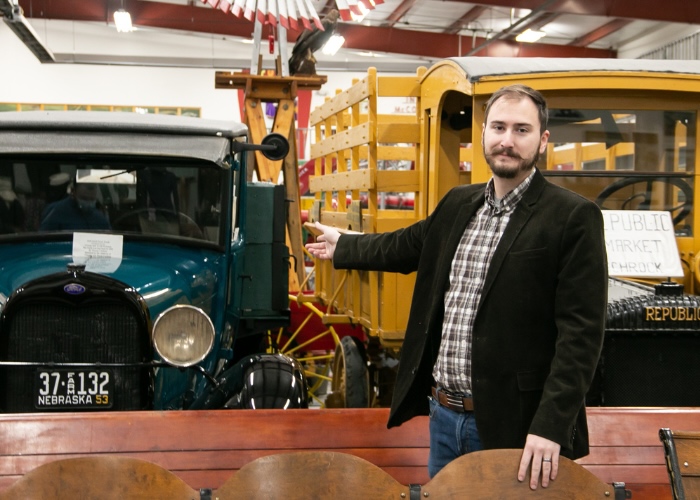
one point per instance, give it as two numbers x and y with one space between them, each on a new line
311 474
682 450
492 474
103 477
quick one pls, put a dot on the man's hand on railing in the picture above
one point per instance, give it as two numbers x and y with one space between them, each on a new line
326 239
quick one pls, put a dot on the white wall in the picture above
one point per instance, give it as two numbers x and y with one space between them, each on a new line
24 79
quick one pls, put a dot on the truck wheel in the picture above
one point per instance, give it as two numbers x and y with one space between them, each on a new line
311 343
350 380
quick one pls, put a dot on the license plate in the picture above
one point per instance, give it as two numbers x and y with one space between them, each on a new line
73 389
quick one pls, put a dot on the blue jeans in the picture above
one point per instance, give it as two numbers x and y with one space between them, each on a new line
452 435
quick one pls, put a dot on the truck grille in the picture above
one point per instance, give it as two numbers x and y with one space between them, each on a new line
102 332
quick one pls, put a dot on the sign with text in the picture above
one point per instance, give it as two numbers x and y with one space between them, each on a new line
641 243
101 253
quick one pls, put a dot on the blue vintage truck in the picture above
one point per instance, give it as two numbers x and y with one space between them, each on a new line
139 269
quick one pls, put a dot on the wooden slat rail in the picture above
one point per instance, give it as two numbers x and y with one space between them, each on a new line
205 448
351 141
355 150
625 446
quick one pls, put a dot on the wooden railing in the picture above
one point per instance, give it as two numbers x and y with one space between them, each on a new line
355 151
204 448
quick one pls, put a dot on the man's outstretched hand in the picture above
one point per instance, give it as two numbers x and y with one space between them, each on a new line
325 242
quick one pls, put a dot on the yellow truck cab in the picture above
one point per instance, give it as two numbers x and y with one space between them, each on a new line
624 134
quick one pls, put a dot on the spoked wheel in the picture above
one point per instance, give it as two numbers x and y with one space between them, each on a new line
311 343
350 380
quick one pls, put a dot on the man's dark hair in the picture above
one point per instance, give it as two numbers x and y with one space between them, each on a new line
519 91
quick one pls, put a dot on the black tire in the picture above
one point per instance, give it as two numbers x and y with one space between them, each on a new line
318 365
350 376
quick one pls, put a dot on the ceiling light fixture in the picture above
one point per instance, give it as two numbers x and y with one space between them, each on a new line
122 20
530 36
333 45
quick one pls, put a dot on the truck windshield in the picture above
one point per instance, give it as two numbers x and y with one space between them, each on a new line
164 198
626 159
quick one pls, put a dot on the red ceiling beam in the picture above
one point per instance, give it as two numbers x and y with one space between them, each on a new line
440 45
85 11
677 11
599 33
188 18
506 48
398 13
358 37
472 15
153 14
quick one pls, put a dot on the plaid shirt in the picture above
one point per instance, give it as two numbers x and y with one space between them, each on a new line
470 264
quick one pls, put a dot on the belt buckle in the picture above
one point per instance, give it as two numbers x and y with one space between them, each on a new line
455 401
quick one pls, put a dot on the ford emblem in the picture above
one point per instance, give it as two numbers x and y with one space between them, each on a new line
74 289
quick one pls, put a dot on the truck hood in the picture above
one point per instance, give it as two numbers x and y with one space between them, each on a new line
163 274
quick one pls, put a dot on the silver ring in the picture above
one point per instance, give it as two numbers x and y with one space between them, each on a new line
546 459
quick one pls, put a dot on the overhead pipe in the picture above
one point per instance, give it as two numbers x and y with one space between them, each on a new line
15 20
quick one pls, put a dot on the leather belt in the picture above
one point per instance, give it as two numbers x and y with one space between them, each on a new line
458 403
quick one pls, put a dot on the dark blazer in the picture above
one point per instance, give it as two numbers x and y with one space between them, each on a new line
539 327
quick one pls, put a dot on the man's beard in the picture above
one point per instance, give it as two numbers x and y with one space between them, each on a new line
524 165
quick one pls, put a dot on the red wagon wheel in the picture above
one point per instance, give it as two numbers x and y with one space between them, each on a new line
333 362
350 381
311 343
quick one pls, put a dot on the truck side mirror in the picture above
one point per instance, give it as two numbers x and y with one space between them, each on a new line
274 146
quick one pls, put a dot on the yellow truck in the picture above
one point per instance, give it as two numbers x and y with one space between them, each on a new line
624 134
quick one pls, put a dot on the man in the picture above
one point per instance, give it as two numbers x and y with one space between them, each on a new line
507 318
11 211
78 211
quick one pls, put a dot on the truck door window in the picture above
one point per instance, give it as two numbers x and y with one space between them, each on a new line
626 159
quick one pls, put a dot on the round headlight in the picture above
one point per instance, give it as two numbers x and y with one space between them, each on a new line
183 335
